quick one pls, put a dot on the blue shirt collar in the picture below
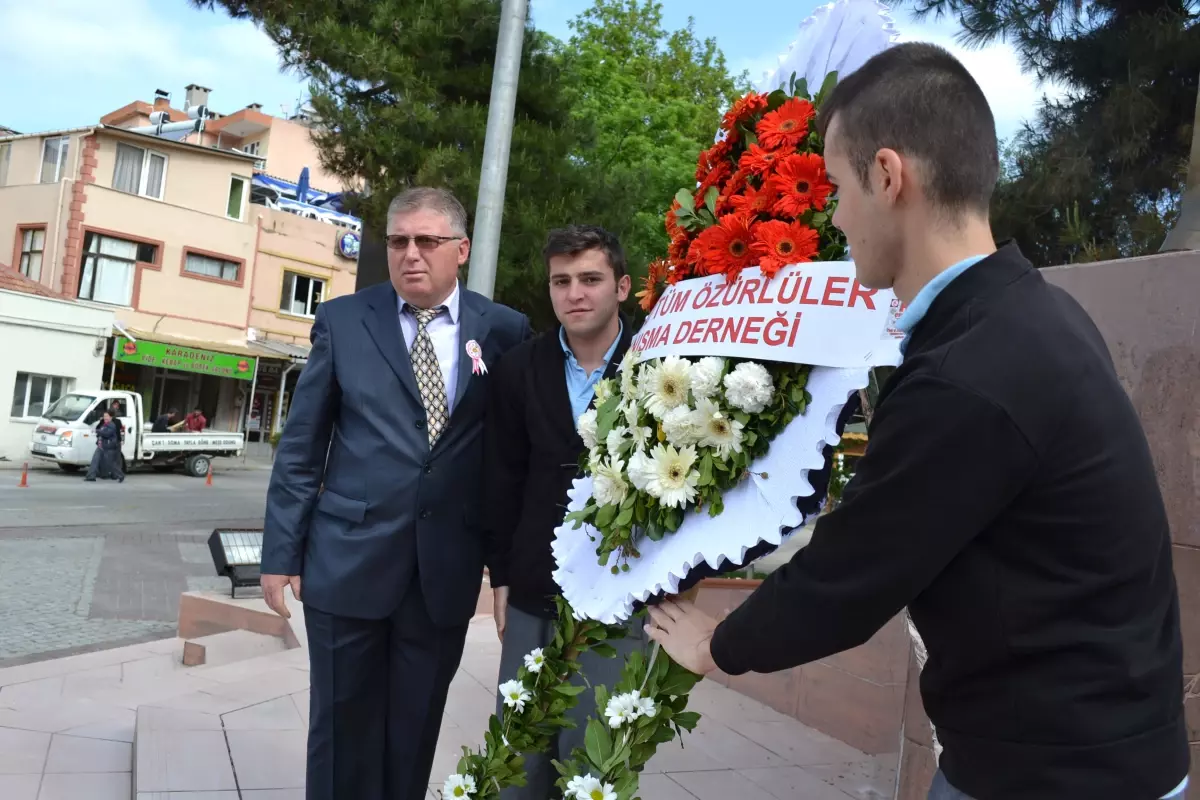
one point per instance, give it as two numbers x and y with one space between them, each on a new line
919 307
574 362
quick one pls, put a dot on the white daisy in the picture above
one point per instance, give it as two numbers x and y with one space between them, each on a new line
514 695
680 427
641 470
595 456
628 371
621 708
641 435
749 387
609 486
706 376
534 661
614 440
716 429
646 707
604 390
586 425
590 788
674 479
459 786
665 385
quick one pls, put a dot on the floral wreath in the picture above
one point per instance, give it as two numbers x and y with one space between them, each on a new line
668 438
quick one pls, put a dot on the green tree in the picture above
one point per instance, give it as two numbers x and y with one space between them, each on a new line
401 90
1100 172
646 101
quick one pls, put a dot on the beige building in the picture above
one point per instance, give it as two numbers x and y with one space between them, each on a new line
191 245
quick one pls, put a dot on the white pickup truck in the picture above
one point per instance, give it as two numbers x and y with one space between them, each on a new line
66 435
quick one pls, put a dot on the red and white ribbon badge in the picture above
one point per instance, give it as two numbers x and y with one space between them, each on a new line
476 354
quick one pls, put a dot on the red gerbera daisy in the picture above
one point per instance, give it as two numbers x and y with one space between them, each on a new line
672 221
715 178
755 201
786 125
655 272
778 243
745 108
801 183
713 157
758 160
725 247
678 251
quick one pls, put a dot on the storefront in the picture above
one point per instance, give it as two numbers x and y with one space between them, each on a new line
173 373
279 368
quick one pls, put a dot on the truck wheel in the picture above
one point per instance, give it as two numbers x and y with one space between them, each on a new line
197 465
70 469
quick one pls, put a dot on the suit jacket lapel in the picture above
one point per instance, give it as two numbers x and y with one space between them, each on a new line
472 326
550 376
383 323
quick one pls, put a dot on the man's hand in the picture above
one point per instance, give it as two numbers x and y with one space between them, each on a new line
500 609
685 632
272 586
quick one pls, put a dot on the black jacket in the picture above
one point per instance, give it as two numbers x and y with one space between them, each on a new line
1008 498
531 453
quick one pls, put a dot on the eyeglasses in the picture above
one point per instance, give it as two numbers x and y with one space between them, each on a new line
425 243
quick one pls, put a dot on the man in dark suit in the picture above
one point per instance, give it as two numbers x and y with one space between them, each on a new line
1007 497
373 508
532 451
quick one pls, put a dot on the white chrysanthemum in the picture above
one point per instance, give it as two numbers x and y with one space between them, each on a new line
641 470
608 482
628 371
665 385
679 426
621 708
646 707
674 479
595 456
706 376
614 440
716 429
514 694
642 435
588 787
749 387
534 661
629 411
586 425
604 390
459 786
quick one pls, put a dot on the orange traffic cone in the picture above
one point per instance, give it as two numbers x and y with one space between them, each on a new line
24 484
208 480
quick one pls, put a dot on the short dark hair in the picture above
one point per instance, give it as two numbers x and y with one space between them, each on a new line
920 101
575 239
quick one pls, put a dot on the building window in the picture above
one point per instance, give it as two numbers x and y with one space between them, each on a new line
54 158
33 394
301 294
253 148
33 243
109 265
5 154
237 198
210 267
139 171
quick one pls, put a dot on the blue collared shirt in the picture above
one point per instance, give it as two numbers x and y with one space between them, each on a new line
581 386
919 307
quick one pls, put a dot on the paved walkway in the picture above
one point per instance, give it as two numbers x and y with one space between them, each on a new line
69 730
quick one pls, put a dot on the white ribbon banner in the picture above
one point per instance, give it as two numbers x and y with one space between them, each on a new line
816 314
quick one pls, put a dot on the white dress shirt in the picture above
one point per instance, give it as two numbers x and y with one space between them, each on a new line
443 332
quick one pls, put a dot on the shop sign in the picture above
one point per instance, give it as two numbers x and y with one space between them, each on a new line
185 359
348 244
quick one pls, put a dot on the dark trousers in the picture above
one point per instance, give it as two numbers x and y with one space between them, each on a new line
523 633
378 690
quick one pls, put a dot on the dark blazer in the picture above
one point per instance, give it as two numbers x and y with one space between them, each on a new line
532 455
358 503
1008 498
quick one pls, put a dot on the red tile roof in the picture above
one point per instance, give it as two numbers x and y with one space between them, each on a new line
13 281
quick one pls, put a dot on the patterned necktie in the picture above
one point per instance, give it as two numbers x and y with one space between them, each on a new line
429 374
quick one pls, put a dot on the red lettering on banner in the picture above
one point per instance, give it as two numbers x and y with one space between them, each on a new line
804 298
783 288
697 331
857 291
831 290
752 328
762 296
748 291
681 299
685 328
732 329
713 331
664 335
775 331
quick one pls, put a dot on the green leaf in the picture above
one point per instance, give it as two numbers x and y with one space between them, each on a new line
685 200
625 517
605 516
776 98
819 219
597 742
687 720
706 470
569 689
826 88
710 199
802 89
607 416
604 649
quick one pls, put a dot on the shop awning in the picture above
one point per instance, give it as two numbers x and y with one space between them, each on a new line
221 359
297 354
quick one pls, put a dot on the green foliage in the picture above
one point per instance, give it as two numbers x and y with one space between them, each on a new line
1100 172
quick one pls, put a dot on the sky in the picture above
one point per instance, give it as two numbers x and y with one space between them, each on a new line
79 59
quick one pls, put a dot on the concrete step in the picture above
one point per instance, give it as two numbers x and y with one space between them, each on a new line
228 647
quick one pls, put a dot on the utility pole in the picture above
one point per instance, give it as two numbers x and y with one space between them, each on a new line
1186 233
489 211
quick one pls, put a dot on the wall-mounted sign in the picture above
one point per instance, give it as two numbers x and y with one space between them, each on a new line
348 244
185 359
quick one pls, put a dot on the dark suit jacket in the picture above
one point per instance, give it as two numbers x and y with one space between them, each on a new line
358 503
